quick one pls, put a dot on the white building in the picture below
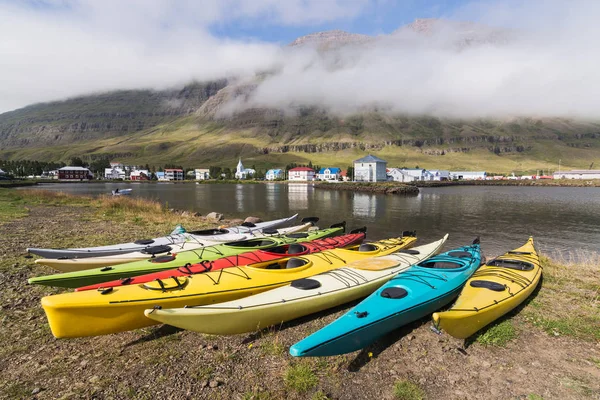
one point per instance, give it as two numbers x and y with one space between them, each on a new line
439 175
301 174
578 174
243 173
274 174
114 173
329 174
468 175
370 169
202 174
2 172
398 175
173 174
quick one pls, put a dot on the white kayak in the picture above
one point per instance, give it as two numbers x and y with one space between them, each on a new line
301 297
122 192
179 235
81 264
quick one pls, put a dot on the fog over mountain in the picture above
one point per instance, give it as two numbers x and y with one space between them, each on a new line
490 59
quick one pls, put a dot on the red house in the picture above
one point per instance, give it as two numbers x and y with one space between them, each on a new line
301 174
75 173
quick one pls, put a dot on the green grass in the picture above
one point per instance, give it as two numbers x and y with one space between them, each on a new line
533 396
319 395
406 390
498 334
300 377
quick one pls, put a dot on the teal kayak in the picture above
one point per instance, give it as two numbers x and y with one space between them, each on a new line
171 261
409 296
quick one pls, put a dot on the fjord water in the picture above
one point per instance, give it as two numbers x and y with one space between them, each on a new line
563 220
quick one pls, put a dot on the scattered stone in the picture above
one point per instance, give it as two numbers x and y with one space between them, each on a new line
36 390
411 337
202 346
94 379
84 364
214 216
486 364
215 347
214 383
203 384
536 364
253 220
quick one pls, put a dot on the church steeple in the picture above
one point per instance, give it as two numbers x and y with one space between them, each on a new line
240 166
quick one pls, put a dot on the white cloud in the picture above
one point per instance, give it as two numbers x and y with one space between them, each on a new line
55 49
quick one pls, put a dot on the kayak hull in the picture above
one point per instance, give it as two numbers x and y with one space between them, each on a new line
82 264
257 256
407 297
477 307
131 269
288 302
118 309
227 234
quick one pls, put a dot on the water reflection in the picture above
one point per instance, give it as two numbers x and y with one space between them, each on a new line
560 219
298 196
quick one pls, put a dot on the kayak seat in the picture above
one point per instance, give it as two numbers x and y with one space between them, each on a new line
211 232
248 225
295 263
251 243
144 241
367 247
409 251
440 265
297 235
270 231
460 254
495 286
305 284
296 248
156 249
162 259
511 264
273 266
393 293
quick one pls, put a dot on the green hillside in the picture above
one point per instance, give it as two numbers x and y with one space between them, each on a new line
156 128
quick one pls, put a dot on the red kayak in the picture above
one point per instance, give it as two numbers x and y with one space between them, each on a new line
257 256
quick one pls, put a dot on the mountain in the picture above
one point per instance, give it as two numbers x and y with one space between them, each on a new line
200 125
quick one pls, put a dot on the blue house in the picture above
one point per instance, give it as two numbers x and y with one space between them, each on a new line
329 174
274 174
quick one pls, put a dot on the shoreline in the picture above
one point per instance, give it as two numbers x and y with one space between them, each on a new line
530 353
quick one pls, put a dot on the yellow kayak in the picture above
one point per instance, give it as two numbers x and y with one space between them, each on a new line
119 309
495 289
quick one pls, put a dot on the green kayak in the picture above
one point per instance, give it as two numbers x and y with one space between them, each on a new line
170 261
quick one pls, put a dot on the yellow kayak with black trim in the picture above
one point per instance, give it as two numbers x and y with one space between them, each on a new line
119 309
495 289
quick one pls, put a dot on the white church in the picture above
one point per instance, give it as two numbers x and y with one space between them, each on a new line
243 173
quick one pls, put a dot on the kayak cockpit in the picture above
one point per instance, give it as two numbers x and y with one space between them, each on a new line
284 265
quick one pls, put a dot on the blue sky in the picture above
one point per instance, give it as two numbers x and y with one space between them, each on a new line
377 17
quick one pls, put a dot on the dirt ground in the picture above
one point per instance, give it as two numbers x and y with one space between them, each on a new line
163 362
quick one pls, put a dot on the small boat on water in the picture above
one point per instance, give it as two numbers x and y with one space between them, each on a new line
121 192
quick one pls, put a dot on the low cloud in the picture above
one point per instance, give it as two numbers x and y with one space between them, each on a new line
533 58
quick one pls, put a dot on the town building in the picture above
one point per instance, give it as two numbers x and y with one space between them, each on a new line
74 173
329 174
114 173
344 175
301 174
161 176
2 172
439 175
140 175
243 173
468 175
202 174
173 174
370 169
274 174
578 174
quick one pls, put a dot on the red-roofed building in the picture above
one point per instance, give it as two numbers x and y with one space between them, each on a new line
301 174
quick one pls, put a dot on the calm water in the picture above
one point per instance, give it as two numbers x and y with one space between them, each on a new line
562 220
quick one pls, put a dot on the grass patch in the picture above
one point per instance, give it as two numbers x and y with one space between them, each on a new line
319 395
301 378
533 396
272 346
569 302
497 334
406 390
